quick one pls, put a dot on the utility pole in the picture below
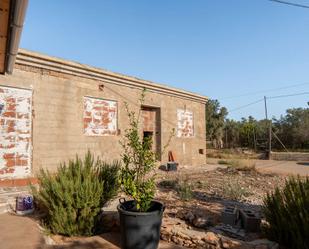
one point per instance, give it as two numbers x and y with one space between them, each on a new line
269 129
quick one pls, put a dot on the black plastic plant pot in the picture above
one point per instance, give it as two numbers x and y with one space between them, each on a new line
140 230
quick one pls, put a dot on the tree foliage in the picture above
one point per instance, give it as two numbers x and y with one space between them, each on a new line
139 159
215 116
292 129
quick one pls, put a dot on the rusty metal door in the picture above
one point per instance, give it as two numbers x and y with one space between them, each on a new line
15 132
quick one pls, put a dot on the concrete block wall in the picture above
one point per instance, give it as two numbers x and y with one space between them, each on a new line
58 117
290 156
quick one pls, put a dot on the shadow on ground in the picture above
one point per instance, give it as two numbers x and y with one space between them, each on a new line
303 163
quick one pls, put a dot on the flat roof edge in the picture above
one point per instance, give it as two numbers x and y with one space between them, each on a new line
38 60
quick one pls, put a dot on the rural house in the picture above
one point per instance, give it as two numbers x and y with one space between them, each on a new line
52 109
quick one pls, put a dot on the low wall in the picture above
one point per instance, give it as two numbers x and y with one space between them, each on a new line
290 156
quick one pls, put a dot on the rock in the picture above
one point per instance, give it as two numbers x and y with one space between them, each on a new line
228 243
211 238
189 216
275 246
184 236
264 244
177 240
201 222
48 240
261 247
165 237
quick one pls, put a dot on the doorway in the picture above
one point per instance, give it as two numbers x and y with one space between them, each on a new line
151 120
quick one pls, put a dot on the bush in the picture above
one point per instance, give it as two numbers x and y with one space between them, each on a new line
233 190
74 195
242 165
139 161
184 190
224 162
109 175
171 184
287 214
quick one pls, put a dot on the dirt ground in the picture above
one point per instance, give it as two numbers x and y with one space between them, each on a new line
272 166
25 233
283 167
211 188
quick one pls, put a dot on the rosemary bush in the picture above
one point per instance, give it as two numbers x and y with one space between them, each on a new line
287 213
73 197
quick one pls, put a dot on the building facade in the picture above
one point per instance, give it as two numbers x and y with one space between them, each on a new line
52 109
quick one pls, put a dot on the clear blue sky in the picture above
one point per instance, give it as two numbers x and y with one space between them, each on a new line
218 48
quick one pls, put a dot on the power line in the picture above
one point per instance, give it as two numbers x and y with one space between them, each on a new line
265 91
287 95
291 3
271 97
244 106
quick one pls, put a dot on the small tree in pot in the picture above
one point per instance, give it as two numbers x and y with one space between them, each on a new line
140 218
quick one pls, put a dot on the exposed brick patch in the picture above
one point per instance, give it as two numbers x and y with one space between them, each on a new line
18 182
185 126
100 117
149 121
15 132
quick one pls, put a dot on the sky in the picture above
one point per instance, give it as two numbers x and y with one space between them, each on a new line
236 51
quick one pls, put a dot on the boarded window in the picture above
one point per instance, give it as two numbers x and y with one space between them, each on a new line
100 117
185 123
15 132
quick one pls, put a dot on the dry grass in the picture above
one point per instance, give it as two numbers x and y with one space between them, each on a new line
233 190
239 164
243 165
232 154
211 160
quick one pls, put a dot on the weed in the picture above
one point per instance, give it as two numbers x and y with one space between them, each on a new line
184 190
224 162
241 165
234 191
172 184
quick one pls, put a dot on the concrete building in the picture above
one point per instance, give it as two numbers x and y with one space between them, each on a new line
52 109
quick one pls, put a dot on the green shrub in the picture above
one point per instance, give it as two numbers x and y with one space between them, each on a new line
109 175
224 162
242 165
137 174
74 195
233 190
184 190
287 214
169 183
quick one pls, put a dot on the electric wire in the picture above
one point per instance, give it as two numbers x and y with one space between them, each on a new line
265 91
244 106
287 95
291 3
271 97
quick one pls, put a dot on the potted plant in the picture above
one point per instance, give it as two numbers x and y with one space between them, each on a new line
140 218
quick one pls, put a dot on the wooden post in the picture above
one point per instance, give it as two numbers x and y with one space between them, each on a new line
269 130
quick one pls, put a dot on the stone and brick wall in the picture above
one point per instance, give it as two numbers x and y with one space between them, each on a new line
72 112
290 156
